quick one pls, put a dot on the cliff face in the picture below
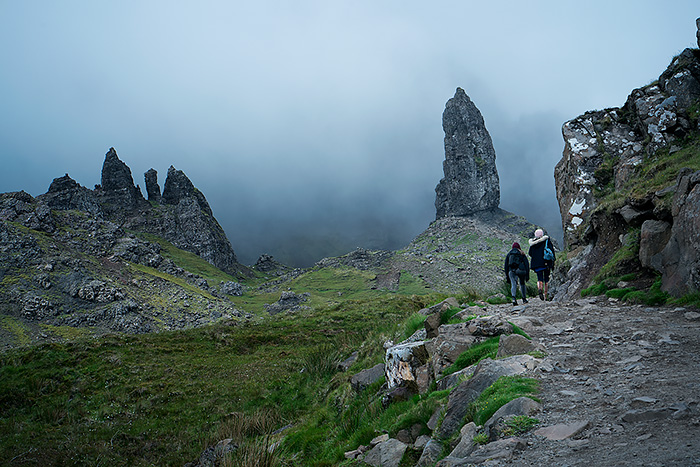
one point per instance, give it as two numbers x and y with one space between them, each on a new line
627 182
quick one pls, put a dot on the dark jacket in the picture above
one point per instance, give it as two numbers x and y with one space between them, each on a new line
523 268
536 253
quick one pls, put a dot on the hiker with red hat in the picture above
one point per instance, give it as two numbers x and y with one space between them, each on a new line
517 269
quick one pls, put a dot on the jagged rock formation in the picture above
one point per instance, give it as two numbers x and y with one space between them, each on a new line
117 192
70 257
471 180
606 151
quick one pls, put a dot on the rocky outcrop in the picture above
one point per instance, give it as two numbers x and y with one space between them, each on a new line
65 193
152 187
471 180
680 258
604 151
117 192
178 188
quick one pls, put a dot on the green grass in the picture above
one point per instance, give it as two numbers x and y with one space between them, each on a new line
162 398
16 328
188 261
474 354
504 390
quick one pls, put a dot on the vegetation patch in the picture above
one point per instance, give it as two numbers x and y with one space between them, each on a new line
504 390
474 354
16 328
518 425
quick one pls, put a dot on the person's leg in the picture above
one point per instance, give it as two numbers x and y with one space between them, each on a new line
513 285
540 283
546 282
523 289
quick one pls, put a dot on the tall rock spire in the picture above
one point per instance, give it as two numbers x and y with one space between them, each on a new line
471 180
117 190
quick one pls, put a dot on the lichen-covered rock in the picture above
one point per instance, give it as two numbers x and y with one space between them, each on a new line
471 180
602 154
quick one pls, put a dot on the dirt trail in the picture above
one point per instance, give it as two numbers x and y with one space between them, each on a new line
631 372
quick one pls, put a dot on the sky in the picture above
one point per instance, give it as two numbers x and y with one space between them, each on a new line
315 127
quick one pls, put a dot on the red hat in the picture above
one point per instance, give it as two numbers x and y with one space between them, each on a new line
516 245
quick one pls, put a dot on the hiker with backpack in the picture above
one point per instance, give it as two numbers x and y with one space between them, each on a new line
541 260
517 270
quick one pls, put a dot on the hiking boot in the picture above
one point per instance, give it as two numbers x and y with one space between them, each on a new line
515 302
524 300
541 296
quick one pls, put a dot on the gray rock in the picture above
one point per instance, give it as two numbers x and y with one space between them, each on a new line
366 377
653 238
471 181
513 344
348 362
289 301
641 415
65 193
495 425
403 362
386 454
563 430
431 453
232 288
152 187
466 441
118 192
680 259
503 449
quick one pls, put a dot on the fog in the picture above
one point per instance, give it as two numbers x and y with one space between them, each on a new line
314 127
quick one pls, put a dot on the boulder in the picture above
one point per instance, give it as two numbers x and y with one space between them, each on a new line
495 425
366 377
513 344
403 362
471 181
452 340
653 239
386 454
466 445
431 453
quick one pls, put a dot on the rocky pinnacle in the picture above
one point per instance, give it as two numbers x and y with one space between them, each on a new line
471 180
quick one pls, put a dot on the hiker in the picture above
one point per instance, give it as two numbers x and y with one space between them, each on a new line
517 270
541 260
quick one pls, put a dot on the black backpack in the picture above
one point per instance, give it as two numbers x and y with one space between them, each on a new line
514 261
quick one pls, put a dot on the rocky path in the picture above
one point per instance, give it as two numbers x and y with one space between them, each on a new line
627 376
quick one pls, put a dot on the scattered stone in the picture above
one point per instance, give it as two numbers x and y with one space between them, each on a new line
562 431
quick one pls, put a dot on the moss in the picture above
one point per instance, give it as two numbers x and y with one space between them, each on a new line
16 328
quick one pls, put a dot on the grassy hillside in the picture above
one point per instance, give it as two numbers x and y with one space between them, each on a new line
162 398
